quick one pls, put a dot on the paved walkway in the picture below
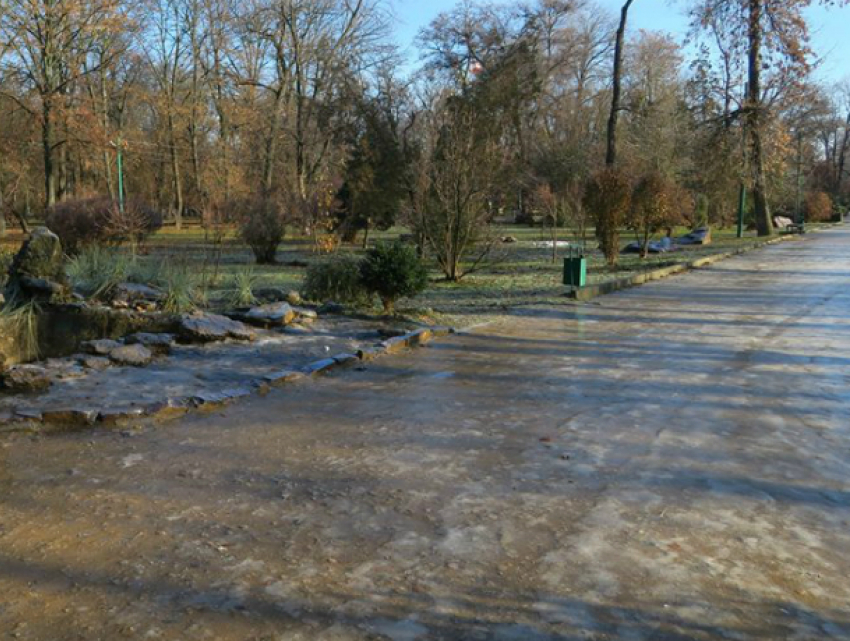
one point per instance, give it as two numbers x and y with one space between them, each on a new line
672 462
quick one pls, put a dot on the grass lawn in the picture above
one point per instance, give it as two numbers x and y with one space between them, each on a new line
520 274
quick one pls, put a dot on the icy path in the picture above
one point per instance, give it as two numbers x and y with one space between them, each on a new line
671 463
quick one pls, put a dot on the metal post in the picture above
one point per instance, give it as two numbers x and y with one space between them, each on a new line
120 178
799 199
742 201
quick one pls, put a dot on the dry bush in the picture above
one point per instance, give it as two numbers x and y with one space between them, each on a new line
607 197
653 207
261 226
80 223
818 207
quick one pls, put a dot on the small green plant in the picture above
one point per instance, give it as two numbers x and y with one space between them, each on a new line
338 279
96 271
179 286
393 271
240 292
144 271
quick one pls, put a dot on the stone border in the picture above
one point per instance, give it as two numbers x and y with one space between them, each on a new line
609 287
215 400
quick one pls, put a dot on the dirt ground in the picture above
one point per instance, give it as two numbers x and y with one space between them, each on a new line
671 462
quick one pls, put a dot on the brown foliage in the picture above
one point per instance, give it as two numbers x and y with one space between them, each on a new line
100 220
607 197
261 226
652 208
818 207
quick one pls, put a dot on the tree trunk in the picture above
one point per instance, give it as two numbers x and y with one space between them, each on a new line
611 153
842 155
2 215
755 117
175 174
47 150
271 144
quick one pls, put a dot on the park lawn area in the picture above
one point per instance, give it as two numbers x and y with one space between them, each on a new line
520 273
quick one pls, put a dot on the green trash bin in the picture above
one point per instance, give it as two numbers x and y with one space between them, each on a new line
575 271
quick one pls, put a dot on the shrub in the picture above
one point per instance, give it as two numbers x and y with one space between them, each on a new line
607 197
240 293
818 207
179 285
96 271
80 223
336 278
262 227
393 271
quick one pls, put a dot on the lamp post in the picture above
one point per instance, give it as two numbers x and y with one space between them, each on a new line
119 147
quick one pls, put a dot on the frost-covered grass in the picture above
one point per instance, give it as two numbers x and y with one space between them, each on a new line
521 273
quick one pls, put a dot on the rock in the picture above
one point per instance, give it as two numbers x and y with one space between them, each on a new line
419 337
70 416
395 345
391 332
205 328
26 378
305 314
135 293
96 363
133 355
116 416
270 315
212 400
159 344
346 359
509 239
282 377
271 294
699 236
100 347
293 298
441 330
366 354
167 409
38 270
63 368
331 308
319 367
28 415
296 330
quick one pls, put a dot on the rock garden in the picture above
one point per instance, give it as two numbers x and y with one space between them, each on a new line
80 351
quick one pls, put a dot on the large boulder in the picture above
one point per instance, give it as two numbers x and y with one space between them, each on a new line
200 327
38 271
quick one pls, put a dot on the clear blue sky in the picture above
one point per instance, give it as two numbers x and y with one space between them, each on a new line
830 27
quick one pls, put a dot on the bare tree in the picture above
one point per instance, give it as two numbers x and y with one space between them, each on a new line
49 43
